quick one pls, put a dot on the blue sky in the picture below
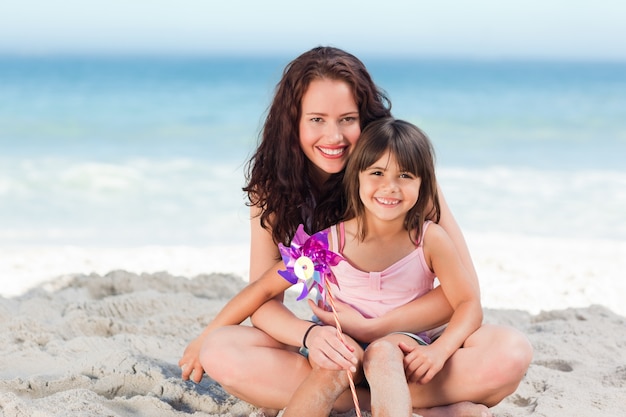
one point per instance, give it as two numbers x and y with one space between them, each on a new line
554 29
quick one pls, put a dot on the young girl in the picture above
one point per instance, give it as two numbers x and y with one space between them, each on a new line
392 254
322 102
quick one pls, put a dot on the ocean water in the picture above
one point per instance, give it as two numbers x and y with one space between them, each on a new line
101 151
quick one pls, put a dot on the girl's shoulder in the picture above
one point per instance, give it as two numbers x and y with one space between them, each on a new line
433 231
341 232
436 239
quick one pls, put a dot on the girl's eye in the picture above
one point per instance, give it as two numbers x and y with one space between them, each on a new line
377 173
406 175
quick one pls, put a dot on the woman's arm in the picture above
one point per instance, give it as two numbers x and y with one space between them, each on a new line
272 317
252 297
449 224
325 347
235 311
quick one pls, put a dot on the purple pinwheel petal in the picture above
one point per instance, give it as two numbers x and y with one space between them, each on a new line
289 276
304 293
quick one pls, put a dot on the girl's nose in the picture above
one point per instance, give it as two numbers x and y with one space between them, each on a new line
391 184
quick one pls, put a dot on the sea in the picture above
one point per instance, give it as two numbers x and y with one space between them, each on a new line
106 151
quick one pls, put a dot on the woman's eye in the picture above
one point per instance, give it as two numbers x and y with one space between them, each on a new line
316 119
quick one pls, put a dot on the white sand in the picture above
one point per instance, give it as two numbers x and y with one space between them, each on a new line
107 344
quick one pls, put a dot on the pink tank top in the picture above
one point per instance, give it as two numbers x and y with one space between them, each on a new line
376 293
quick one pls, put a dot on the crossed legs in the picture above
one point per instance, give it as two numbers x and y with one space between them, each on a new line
256 368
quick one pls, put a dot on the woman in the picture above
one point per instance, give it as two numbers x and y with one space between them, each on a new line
323 101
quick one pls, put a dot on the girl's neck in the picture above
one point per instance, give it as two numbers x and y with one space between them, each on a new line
383 230
384 244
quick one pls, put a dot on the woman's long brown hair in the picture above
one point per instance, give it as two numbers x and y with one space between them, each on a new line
278 175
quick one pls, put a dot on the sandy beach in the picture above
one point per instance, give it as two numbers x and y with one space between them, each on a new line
98 332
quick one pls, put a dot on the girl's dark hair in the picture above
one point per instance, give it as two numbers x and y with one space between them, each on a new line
413 152
278 175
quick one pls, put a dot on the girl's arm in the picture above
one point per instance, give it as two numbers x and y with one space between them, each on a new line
460 290
424 362
427 312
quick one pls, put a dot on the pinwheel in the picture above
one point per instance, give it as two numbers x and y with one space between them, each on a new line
308 260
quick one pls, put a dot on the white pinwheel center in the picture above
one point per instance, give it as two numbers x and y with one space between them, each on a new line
304 268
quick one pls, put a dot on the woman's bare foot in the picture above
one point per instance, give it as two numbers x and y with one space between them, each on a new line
462 409
268 412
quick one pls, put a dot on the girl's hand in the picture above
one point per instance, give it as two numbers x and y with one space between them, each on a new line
190 362
421 363
327 351
352 322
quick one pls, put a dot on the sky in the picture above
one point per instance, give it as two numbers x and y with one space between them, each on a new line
491 29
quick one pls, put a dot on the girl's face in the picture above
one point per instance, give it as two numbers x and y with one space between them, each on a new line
329 125
387 192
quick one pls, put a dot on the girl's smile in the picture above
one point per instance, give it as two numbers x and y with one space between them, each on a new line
388 192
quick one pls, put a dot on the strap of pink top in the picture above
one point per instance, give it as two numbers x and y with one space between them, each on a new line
342 237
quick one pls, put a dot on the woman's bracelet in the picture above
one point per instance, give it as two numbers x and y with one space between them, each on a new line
306 334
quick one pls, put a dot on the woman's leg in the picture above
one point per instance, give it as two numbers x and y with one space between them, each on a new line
252 366
384 369
488 368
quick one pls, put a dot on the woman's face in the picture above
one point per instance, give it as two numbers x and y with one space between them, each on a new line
329 125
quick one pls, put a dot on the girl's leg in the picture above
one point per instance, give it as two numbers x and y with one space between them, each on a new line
488 368
320 392
317 394
252 366
384 369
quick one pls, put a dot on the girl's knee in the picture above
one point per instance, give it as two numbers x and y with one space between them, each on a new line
380 353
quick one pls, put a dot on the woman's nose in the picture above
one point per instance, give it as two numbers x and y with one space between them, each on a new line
334 132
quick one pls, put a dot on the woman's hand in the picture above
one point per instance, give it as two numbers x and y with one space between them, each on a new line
352 322
422 363
327 351
190 362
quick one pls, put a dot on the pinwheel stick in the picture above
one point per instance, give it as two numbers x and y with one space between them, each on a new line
308 260
329 297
